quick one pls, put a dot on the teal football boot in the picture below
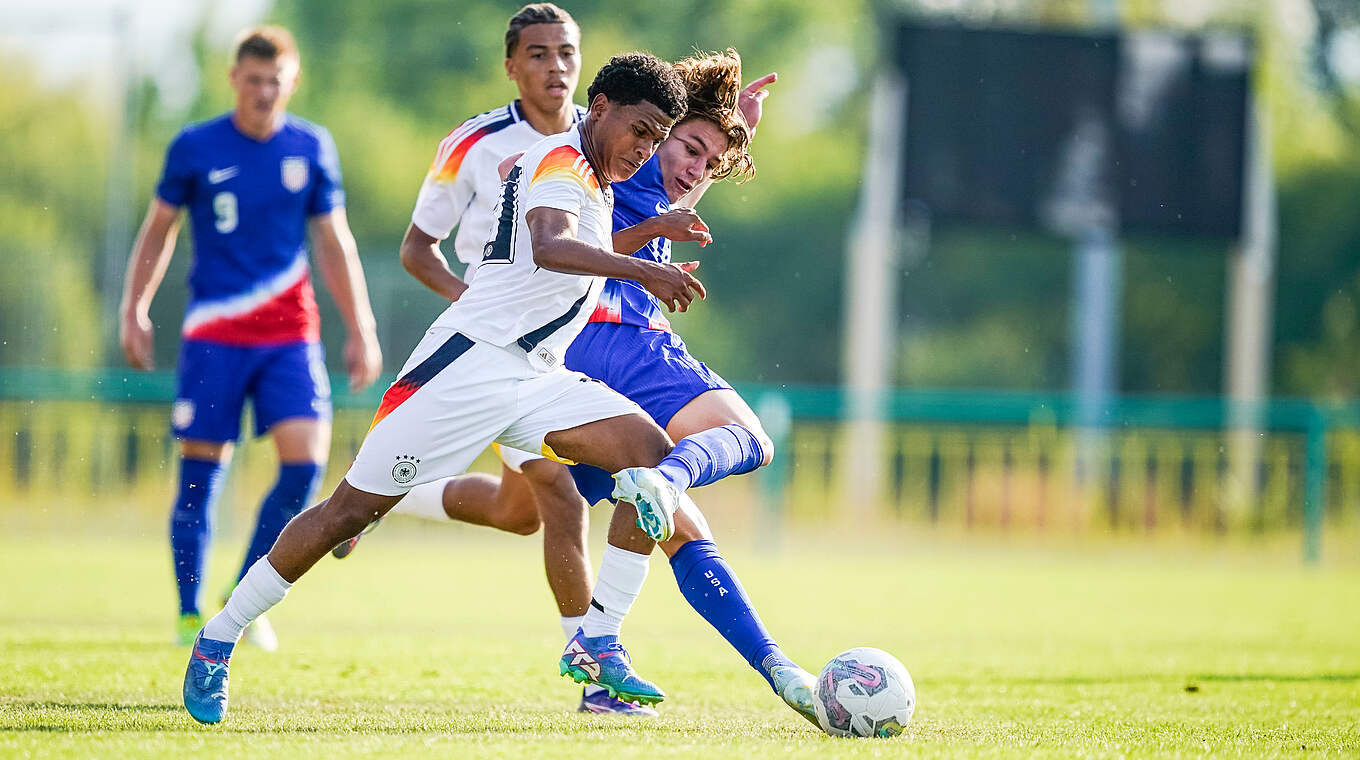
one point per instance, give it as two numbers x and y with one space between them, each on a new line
603 661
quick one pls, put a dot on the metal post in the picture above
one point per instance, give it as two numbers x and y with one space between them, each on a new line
871 292
1098 282
1251 276
1315 486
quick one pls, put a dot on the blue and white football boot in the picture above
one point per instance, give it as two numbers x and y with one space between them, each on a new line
794 685
205 680
603 661
654 497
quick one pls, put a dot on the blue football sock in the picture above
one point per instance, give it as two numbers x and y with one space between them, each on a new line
711 455
290 495
712 589
191 526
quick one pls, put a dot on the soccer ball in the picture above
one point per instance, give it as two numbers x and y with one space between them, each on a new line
864 692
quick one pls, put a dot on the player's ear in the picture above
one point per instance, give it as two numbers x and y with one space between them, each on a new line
510 69
599 105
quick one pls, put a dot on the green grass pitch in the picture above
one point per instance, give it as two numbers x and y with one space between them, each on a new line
437 642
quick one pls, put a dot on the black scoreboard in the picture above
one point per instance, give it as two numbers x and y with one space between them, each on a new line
1019 128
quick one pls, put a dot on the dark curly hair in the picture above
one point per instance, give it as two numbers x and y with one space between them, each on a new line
713 84
631 78
534 13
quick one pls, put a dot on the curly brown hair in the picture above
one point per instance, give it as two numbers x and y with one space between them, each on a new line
713 83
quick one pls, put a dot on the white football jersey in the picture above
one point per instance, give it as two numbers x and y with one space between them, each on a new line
462 186
514 302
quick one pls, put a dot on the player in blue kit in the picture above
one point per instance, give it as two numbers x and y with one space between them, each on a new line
629 345
255 182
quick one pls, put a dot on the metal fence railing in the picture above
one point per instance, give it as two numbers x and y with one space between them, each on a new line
974 461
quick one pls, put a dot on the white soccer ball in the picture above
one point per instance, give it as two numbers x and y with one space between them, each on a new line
864 692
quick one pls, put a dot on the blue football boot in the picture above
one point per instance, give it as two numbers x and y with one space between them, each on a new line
205 680
599 702
603 661
654 497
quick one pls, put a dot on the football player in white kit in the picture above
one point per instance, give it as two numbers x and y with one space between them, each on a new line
490 368
461 190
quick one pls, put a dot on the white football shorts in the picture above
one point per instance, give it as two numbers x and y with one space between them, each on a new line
456 396
514 458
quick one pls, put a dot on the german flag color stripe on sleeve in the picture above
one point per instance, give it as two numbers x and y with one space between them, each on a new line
455 147
412 381
566 163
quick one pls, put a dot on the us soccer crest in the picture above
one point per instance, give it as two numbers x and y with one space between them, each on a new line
294 173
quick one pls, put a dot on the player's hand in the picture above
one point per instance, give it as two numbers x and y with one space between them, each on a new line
683 225
506 164
363 360
136 334
673 285
752 96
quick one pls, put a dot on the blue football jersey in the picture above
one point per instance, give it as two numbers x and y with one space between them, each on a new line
248 204
636 199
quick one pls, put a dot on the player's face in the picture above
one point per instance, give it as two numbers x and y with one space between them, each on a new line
263 87
690 155
546 65
626 136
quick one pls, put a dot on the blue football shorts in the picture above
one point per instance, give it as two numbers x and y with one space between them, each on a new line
214 380
651 368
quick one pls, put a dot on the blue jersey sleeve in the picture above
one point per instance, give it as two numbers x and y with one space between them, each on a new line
328 193
177 179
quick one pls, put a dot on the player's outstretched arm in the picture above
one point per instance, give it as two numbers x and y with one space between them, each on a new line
420 255
751 103
338 258
145 270
557 247
683 225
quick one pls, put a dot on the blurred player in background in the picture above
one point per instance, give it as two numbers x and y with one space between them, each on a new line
256 181
490 367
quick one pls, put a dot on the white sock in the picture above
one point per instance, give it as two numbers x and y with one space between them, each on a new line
616 587
425 501
261 589
569 626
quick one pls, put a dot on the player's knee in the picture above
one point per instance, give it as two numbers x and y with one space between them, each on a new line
518 513
766 445
345 519
652 450
524 522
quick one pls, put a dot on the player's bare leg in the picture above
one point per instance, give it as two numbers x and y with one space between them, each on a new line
698 564
303 445
716 408
592 656
565 524
505 503
306 539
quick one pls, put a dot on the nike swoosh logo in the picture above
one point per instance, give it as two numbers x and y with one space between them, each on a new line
217 176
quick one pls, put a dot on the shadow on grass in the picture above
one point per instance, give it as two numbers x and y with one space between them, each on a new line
95 717
1281 677
1096 680
81 711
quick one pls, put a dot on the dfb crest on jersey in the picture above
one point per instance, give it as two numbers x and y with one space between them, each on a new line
294 169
